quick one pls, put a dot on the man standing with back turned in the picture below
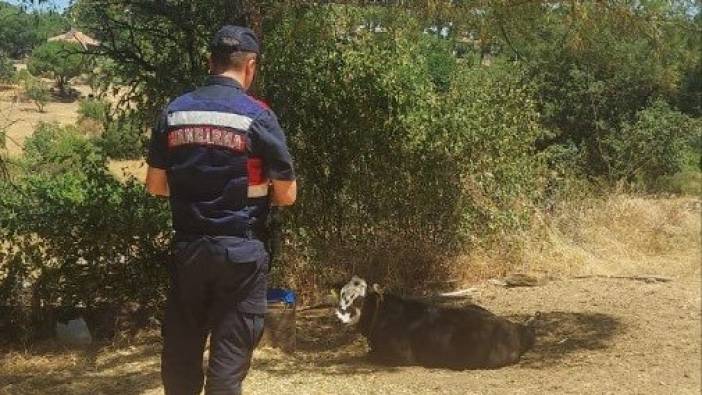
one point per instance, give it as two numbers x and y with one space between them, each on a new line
221 157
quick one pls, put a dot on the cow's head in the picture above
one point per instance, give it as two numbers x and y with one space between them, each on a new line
351 300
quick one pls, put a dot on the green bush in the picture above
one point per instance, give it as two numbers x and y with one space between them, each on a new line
7 69
124 137
54 149
588 90
76 236
489 129
688 182
36 90
95 109
21 76
441 62
386 161
657 143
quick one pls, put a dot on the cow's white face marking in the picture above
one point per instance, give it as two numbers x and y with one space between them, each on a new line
354 289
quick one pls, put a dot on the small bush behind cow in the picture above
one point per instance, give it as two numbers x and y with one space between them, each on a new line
402 331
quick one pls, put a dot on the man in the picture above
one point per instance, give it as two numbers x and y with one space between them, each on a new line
222 158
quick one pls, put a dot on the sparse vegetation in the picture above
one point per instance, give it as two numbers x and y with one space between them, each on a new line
36 90
95 109
7 69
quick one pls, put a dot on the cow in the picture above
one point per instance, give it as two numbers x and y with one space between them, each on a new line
403 331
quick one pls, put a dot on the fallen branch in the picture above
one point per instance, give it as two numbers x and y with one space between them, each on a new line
463 293
648 279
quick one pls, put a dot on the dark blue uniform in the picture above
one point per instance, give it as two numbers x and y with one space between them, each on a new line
219 147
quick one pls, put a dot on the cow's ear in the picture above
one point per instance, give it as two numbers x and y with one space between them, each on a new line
377 289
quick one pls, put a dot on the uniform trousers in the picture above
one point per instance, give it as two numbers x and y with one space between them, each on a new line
217 288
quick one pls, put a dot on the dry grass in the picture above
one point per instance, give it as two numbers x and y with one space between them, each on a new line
51 368
123 169
618 235
24 116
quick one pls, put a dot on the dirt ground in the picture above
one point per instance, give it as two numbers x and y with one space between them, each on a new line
595 335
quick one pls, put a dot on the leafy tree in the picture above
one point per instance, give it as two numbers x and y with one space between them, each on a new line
387 160
58 60
157 50
595 65
20 31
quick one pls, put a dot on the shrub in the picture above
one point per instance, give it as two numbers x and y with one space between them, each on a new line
386 161
659 142
585 94
440 61
688 182
21 76
54 148
489 132
124 137
36 90
75 236
95 109
7 69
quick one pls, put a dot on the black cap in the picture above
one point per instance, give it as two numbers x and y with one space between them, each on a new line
235 39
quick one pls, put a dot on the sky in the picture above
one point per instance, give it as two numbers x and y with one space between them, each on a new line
58 5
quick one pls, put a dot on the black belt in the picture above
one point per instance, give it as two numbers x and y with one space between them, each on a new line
189 237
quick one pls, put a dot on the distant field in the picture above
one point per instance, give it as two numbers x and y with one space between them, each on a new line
23 117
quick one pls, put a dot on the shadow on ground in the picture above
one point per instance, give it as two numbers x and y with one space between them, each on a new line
560 333
324 345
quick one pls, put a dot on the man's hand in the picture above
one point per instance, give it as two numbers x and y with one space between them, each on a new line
284 193
157 182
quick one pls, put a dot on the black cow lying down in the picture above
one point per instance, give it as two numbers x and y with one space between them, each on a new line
403 331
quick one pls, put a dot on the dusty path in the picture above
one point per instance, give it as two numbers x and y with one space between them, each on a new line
596 335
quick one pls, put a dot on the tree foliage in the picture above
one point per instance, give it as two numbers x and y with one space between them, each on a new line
658 142
390 155
20 31
58 60
147 40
